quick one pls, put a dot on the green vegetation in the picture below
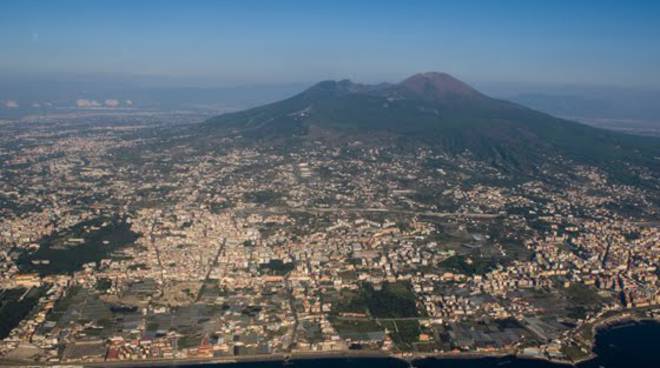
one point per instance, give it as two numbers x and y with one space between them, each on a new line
473 265
219 207
404 333
516 250
351 326
265 197
349 302
103 284
393 300
189 341
582 299
573 352
64 256
580 294
16 304
152 326
137 266
276 267
65 302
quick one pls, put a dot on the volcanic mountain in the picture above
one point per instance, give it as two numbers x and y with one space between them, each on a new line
439 110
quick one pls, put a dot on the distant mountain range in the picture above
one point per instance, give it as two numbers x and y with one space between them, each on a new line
438 110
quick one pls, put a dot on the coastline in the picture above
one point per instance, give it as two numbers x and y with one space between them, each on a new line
610 321
277 357
613 321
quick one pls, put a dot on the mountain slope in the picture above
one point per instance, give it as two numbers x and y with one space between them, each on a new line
437 109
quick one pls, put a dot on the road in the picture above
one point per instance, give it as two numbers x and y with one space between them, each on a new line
382 319
279 210
211 267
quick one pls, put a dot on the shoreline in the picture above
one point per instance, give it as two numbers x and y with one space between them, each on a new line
610 322
613 321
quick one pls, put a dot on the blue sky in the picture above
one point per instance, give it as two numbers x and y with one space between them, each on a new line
246 42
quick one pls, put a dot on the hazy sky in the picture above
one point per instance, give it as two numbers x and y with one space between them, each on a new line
243 42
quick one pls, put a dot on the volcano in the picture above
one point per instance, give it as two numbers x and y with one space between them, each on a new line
438 110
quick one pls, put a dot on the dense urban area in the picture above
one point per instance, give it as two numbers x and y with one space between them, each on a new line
124 238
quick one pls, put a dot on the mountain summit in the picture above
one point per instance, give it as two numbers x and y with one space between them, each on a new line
438 110
436 86
431 86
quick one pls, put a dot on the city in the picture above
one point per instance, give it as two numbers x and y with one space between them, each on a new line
119 244
329 184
